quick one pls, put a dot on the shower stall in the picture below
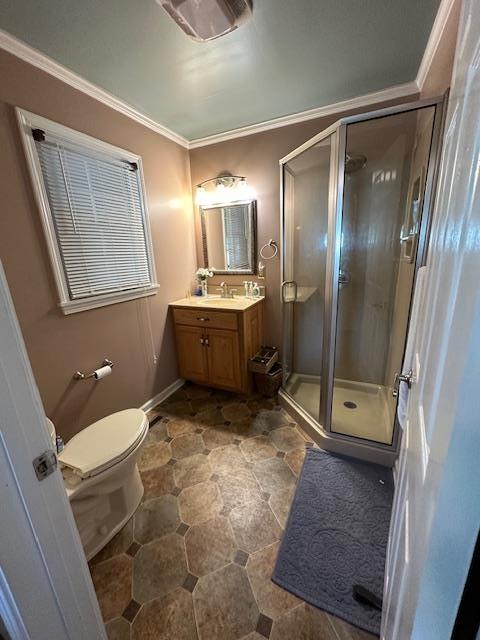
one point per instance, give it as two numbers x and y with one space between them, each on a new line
355 207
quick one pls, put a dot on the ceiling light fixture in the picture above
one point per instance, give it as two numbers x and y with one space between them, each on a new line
205 20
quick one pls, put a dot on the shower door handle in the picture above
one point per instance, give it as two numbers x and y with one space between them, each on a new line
288 283
402 377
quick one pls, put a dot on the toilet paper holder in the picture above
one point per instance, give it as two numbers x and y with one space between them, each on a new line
78 375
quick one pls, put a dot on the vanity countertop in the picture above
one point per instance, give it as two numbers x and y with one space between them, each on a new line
238 303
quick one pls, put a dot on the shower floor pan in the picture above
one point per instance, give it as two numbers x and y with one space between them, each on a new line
359 409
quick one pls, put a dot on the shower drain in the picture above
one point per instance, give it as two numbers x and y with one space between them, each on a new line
350 405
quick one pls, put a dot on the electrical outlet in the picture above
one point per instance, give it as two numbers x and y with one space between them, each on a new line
155 358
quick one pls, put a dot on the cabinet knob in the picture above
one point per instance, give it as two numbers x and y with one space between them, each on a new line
203 319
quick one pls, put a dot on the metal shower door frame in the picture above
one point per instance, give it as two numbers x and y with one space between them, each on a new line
321 430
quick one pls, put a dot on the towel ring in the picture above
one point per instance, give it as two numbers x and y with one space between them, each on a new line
271 243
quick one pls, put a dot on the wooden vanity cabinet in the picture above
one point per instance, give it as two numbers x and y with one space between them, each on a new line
213 346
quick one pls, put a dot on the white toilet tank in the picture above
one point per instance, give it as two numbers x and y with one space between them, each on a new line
52 432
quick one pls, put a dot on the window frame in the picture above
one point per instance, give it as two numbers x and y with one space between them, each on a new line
28 121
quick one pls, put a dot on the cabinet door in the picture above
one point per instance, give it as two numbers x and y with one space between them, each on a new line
192 353
223 351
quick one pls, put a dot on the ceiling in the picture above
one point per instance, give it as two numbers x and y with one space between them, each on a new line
292 56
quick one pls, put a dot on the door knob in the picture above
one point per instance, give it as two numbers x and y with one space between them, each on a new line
402 377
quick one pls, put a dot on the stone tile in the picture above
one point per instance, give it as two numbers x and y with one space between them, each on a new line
192 470
287 439
190 582
260 403
254 636
159 568
346 631
254 526
200 503
217 437
227 460
194 391
224 605
273 475
238 489
241 558
178 427
113 584
118 629
117 545
280 502
236 411
157 482
156 433
133 607
132 549
210 546
209 417
268 421
187 445
264 625
167 618
241 429
154 455
295 459
258 448
272 600
302 622
203 404
180 409
155 518
182 529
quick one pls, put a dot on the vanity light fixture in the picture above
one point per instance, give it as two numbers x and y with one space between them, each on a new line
227 189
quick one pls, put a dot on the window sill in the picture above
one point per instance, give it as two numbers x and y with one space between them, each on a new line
84 304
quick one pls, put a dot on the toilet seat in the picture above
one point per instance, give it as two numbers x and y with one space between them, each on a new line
104 443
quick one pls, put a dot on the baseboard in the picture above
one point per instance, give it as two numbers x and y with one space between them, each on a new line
163 395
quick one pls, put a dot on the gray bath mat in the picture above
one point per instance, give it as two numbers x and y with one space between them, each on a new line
336 536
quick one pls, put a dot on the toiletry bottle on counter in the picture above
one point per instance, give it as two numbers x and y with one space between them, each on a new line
255 290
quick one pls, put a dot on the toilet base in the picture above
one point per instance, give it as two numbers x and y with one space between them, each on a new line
102 507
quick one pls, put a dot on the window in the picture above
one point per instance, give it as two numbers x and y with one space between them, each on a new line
92 202
236 233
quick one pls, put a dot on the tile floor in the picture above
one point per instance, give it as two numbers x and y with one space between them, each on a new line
195 561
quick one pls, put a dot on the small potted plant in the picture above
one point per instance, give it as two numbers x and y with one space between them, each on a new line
202 275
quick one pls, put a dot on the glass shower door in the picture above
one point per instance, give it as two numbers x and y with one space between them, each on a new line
306 194
386 161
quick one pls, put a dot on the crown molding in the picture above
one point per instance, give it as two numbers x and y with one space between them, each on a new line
441 19
369 99
34 57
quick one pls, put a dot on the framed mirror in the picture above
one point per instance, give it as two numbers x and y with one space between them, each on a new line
229 237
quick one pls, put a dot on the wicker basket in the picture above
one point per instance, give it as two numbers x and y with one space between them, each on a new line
269 383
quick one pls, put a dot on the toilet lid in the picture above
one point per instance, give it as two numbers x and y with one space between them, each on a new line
104 443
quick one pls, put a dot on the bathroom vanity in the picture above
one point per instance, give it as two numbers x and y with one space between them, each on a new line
215 337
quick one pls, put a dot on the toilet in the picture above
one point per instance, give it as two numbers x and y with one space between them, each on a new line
102 481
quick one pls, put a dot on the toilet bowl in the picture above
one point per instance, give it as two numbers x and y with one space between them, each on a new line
102 481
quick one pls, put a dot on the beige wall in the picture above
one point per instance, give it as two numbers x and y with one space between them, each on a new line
129 333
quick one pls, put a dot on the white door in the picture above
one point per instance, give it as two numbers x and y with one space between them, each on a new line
45 588
436 512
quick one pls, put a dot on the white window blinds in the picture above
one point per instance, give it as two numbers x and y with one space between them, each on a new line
236 220
97 210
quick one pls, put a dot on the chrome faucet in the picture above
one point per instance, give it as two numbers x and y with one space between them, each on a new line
226 291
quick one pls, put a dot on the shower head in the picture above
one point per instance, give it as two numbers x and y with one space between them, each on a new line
354 162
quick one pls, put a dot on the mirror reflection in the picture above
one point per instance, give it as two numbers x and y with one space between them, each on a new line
229 237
